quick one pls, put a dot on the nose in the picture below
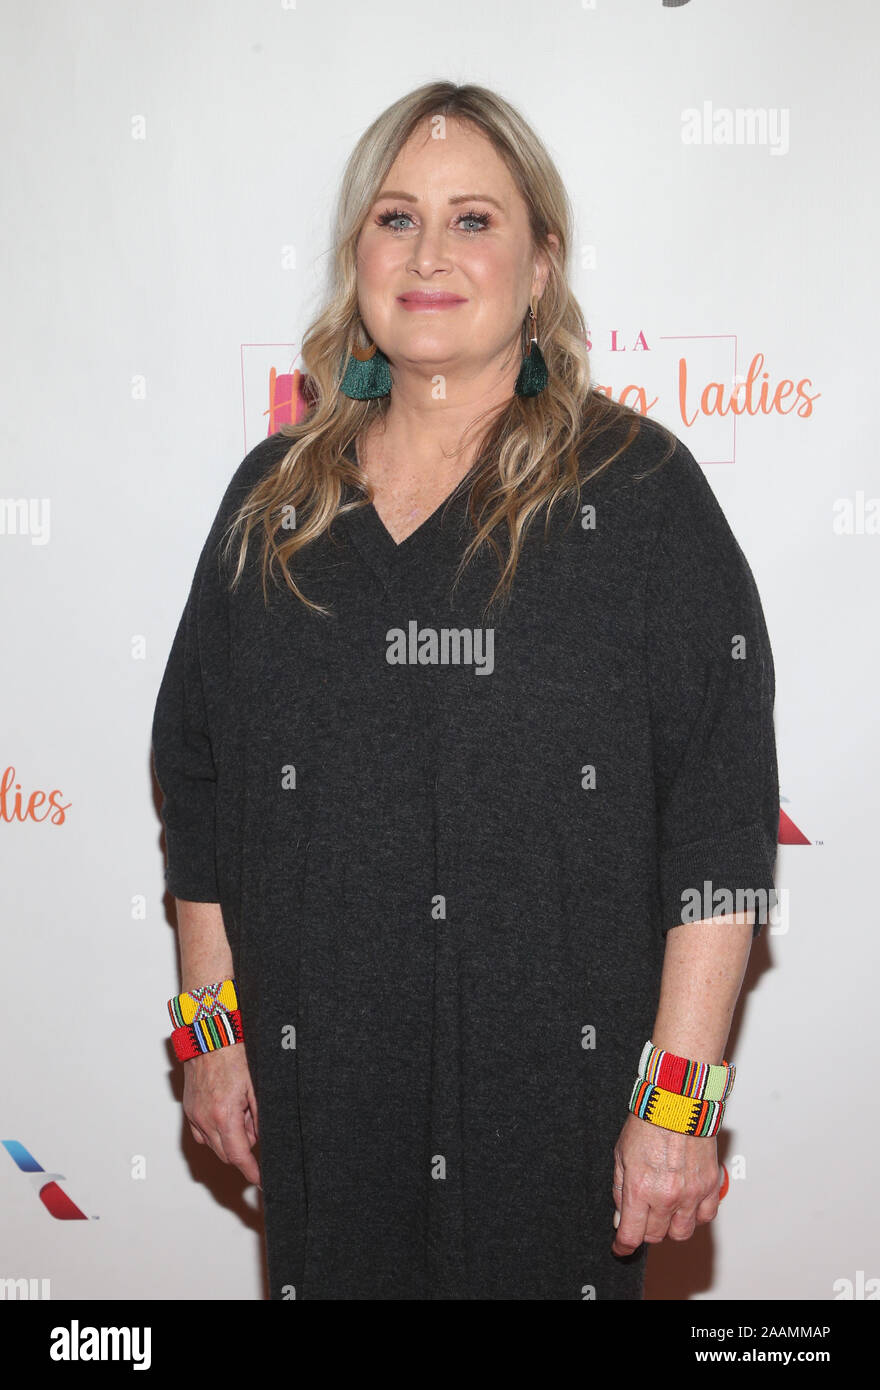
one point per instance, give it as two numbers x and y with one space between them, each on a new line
429 250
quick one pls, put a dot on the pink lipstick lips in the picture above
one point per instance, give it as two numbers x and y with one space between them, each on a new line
429 299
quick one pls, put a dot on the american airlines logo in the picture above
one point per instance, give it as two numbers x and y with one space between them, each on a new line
54 1198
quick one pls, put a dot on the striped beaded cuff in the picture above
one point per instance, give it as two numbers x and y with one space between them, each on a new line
698 1080
207 1035
670 1111
203 1003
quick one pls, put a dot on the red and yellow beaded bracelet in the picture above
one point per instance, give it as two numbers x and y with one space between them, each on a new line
207 1035
683 1114
196 1004
685 1077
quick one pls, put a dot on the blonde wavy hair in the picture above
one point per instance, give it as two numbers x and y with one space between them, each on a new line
528 452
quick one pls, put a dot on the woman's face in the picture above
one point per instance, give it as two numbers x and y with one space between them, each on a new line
449 221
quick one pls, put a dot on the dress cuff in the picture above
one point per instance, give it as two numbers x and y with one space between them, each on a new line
191 884
725 873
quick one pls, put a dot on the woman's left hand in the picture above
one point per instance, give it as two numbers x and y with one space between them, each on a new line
664 1184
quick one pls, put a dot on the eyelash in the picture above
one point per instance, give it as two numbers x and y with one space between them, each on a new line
485 218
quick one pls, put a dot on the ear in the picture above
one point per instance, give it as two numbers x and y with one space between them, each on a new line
542 267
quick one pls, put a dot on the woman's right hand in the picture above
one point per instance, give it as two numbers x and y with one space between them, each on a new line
219 1102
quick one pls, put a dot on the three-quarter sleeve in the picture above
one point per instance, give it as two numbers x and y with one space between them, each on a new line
712 691
190 707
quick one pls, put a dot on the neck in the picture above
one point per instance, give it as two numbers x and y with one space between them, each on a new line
424 436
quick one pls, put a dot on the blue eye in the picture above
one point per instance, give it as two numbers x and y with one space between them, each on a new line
482 218
392 215
386 218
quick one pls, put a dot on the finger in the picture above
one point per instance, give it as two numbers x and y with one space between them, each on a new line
215 1139
617 1183
634 1212
671 1192
657 1224
708 1208
197 1134
237 1150
617 1191
682 1224
248 1166
249 1128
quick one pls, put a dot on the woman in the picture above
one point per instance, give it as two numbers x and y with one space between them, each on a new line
472 694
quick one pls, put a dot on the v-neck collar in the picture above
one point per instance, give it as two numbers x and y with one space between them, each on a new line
440 534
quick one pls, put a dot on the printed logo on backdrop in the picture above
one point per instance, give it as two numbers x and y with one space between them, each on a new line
699 385
273 389
53 1197
17 804
789 833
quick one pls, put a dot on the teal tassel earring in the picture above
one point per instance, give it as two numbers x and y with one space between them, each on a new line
533 373
367 374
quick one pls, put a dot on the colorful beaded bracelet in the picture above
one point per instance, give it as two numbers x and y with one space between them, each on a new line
680 1113
202 1003
699 1080
207 1035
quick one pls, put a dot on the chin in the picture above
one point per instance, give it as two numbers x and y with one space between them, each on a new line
425 354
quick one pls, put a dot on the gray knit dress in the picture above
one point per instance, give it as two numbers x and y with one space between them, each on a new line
447 851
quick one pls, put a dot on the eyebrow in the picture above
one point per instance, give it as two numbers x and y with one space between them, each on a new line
462 198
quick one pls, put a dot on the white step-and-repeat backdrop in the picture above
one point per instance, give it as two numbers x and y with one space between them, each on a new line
169 176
